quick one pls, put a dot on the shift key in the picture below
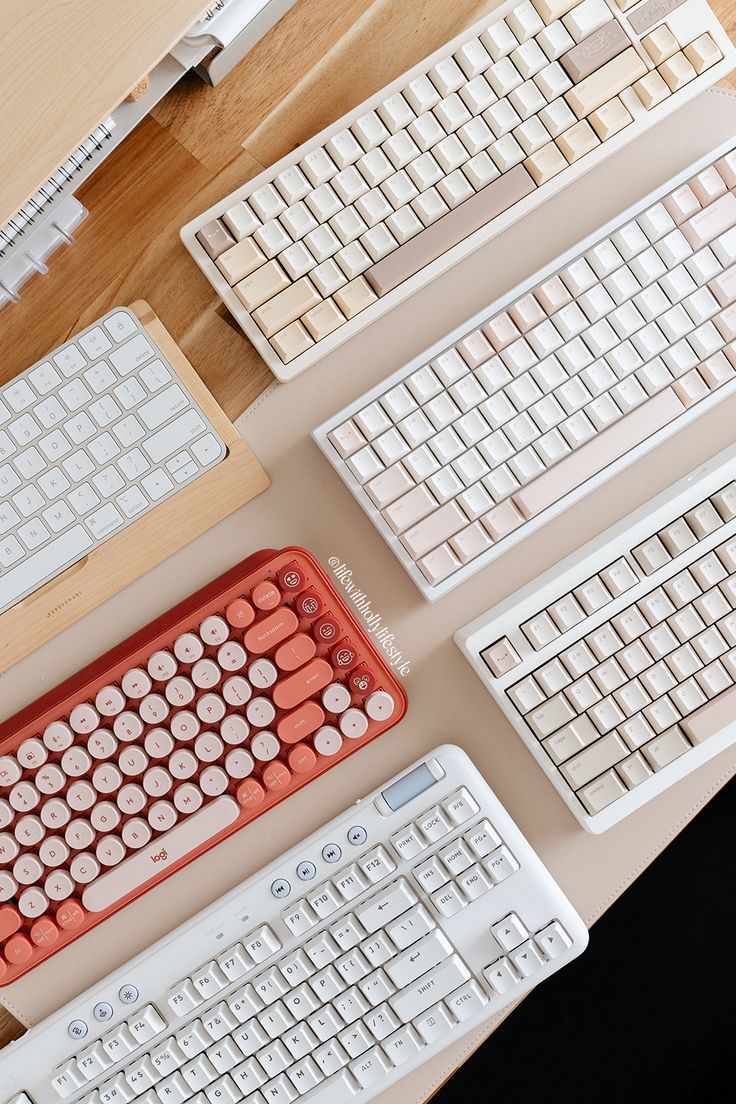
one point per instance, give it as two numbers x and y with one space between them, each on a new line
174 436
430 988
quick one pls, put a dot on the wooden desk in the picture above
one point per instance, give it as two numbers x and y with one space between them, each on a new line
200 142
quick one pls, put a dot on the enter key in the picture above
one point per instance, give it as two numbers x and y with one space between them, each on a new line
422 956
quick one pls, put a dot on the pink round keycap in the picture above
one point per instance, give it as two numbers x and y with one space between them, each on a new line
239 763
55 813
184 725
206 674
208 747
380 706
265 596
188 648
153 709
58 885
50 779
213 781
79 834
260 712
236 690
58 736
276 776
10 771
180 691
211 708
18 949
28 869
76 761
102 744
106 779
302 759
264 746
262 673
7 816
162 666
162 815
8 847
8 886
353 724
127 726
250 793
24 796
44 933
84 868
110 851
105 816
131 799
29 831
32 754
183 764
188 798
214 631
135 683
234 729
240 613
133 761
157 782
33 902
336 698
159 743
81 795
110 701
84 718
53 851
232 656
70 915
136 833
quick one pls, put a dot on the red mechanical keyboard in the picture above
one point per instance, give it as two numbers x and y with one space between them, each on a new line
173 740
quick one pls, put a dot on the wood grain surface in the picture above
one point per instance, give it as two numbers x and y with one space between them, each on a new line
199 144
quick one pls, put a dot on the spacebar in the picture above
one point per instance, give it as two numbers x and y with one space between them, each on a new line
43 565
450 230
156 858
597 453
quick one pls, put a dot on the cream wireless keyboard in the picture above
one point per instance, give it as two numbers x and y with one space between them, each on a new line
618 667
451 153
91 438
554 388
402 925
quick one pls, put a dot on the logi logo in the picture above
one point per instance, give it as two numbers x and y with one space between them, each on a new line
161 857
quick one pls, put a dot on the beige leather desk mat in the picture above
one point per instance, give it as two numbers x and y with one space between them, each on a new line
306 504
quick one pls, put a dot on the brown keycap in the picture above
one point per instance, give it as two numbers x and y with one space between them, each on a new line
653 12
595 50
215 238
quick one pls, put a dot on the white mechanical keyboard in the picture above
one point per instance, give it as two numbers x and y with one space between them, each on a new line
405 923
554 388
91 438
444 158
618 667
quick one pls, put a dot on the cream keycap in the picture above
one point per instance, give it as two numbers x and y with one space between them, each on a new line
262 285
545 163
651 90
577 141
240 261
606 83
610 119
677 71
702 53
287 306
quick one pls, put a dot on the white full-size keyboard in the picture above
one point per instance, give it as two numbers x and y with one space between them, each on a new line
91 437
554 388
444 158
402 925
618 667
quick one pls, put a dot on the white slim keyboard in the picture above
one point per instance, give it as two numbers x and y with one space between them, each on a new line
444 158
91 438
402 925
618 667
554 388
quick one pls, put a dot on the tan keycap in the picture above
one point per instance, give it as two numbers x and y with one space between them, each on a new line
291 342
502 519
389 485
261 285
710 719
287 306
597 758
545 163
550 10
598 453
702 53
677 72
577 141
501 657
435 529
690 388
724 286
448 231
650 13
711 222
595 50
610 119
651 90
606 83
716 370
660 44
410 508
215 238
239 261
323 319
354 297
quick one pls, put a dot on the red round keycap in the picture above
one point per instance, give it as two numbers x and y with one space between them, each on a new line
291 578
309 604
240 614
344 656
44 932
302 759
70 915
326 629
276 775
18 949
250 793
265 595
361 681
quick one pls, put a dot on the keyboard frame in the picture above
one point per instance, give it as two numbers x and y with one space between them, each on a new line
570 572
147 540
466 571
225 922
434 270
